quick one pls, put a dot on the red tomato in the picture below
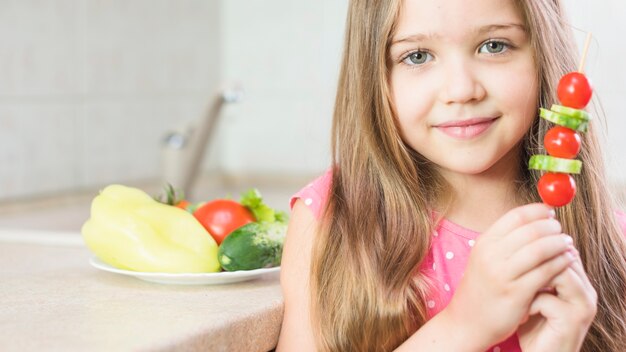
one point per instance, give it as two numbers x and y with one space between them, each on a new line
574 90
556 189
222 216
562 142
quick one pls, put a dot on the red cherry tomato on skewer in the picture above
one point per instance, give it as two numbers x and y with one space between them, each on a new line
556 189
562 142
574 90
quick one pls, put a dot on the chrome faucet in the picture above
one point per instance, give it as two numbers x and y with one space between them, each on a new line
183 151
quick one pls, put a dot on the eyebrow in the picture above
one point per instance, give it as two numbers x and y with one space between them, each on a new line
480 30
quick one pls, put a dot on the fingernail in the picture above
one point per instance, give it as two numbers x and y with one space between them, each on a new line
568 239
552 213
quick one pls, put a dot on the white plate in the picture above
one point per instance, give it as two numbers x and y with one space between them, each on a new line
225 277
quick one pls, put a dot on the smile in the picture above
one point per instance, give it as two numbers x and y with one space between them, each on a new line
466 129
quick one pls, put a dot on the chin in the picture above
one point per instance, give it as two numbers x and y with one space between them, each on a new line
469 166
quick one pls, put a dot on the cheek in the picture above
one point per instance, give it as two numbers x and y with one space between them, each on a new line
521 95
412 98
529 106
521 89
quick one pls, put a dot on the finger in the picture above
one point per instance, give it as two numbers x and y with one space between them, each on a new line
556 315
582 301
535 253
544 307
570 287
579 269
548 305
530 232
519 217
542 275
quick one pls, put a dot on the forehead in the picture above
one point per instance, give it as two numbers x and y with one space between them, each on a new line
454 19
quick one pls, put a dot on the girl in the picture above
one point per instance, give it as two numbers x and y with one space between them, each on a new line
427 233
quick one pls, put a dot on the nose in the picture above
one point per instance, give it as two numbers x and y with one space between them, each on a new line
462 83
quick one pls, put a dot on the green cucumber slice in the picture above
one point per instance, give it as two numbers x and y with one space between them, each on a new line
571 112
564 120
552 164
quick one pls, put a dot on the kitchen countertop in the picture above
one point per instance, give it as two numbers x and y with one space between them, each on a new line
51 298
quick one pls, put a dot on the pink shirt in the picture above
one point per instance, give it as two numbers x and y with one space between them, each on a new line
445 263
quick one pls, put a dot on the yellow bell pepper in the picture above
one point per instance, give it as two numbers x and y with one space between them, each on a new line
130 230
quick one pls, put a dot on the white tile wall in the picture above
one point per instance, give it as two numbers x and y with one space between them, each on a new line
88 88
145 47
38 51
266 134
286 54
122 140
38 149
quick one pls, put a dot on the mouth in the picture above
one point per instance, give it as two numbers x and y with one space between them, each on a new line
466 129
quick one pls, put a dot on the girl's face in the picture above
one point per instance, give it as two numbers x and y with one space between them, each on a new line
463 81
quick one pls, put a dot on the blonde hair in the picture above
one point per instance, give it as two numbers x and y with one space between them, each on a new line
366 290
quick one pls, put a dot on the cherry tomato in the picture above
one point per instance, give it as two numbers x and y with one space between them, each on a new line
222 216
556 189
562 142
574 90
183 204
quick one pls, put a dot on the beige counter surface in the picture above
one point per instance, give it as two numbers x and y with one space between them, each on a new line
52 299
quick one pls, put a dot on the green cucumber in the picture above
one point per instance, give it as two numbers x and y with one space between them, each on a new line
253 246
571 112
552 164
564 120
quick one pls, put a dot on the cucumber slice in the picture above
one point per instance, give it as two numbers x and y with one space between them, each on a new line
564 120
552 164
571 112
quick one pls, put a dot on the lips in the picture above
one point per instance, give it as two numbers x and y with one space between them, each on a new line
466 129
468 122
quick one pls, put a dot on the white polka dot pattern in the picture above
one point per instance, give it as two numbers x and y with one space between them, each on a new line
449 255
308 201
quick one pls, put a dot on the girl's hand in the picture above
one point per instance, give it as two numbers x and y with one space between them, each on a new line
518 255
559 322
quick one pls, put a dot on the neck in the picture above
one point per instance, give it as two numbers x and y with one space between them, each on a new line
478 200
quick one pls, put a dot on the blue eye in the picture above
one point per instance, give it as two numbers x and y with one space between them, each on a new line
417 58
493 47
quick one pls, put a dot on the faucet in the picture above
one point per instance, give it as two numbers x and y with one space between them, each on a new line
183 151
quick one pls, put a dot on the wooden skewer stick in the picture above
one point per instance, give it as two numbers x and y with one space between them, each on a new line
581 65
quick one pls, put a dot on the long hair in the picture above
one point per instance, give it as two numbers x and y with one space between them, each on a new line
366 290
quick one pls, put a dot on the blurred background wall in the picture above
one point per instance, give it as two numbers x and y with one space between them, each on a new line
89 88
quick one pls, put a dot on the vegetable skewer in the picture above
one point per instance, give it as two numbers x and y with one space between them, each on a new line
556 187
